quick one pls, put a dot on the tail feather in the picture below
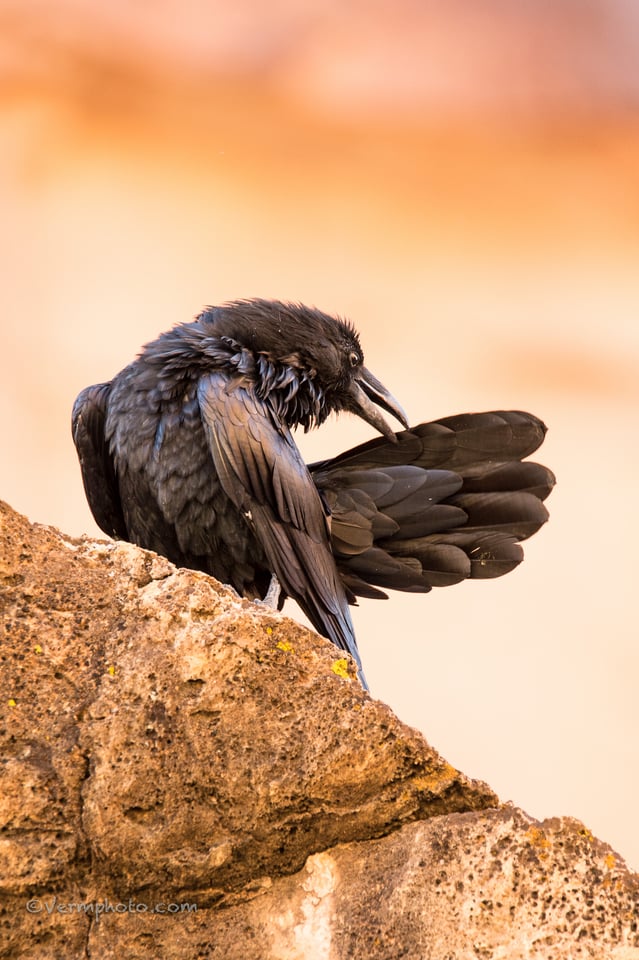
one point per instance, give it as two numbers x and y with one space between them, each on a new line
451 443
450 501
515 513
515 475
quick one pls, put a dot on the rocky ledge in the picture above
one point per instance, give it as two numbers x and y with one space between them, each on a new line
188 775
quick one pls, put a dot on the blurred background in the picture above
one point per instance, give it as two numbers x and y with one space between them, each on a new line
462 181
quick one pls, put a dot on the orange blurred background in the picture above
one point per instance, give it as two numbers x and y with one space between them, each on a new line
460 180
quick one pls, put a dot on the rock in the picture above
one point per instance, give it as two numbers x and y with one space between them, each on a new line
165 742
489 884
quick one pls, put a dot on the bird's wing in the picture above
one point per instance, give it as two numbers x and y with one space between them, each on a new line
264 475
98 471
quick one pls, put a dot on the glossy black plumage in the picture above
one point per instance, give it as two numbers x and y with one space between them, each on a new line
188 452
451 500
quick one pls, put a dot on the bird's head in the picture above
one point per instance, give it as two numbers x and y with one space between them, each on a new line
297 346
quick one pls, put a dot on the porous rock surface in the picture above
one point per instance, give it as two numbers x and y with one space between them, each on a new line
185 774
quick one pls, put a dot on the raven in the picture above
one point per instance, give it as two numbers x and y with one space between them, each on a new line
188 451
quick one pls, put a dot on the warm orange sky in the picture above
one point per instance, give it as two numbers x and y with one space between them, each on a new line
489 258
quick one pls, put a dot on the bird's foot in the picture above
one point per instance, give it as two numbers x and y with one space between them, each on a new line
272 595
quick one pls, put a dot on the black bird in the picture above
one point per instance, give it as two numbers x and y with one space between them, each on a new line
188 451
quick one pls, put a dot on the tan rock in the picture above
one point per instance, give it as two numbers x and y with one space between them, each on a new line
166 743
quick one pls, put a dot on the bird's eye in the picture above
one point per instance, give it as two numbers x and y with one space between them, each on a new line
354 358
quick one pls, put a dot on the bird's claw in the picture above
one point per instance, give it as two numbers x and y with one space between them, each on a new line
272 596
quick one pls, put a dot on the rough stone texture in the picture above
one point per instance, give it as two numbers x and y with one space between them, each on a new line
164 742
489 884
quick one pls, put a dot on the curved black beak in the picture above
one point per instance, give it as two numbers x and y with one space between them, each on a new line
366 391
